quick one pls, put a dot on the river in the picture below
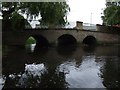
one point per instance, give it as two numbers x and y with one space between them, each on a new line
61 67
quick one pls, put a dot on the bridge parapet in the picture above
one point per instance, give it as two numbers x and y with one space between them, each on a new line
108 29
81 26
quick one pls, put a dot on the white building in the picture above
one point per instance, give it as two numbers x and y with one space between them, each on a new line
112 2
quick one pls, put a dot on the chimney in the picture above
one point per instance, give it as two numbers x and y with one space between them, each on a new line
79 25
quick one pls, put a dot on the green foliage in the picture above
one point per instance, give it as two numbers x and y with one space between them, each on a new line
12 19
31 40
18 21
10 7
52 13
112 15
31 9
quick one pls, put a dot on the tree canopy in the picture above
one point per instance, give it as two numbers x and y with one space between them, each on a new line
52 13
111 15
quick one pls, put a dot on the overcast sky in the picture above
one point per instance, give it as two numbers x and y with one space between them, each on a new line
86 10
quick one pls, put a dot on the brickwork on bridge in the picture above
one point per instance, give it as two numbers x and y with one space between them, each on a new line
52 36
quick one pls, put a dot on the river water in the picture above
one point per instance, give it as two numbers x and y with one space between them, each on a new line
61 67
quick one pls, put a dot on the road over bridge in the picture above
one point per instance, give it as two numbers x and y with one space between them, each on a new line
60 36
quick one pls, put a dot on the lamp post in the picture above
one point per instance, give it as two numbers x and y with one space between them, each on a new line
91 20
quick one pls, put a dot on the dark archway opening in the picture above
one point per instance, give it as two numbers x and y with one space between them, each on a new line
90 40
36 43
41 41
66 40
30 44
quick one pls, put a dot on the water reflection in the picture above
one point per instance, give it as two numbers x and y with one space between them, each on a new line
89 49
87 75
58 67
32 76
66 51
111 72
30 47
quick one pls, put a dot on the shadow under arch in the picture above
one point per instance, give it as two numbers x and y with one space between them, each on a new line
90 40
41 41
66 40
66 51
36 44
89 49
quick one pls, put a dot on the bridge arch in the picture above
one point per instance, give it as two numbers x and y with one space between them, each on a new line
90 40
66 40
40 40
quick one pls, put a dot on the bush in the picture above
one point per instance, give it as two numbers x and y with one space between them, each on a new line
31 40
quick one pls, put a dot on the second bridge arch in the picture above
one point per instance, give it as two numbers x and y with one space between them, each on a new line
66 40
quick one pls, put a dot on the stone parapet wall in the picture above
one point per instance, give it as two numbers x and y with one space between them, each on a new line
108 29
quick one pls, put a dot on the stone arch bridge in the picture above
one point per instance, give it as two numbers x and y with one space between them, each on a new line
60 36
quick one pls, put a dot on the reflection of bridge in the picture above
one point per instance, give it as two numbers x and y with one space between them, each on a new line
59 36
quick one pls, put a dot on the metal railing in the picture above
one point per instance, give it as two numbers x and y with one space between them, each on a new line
86 26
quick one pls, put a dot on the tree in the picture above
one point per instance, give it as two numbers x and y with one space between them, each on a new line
12 20
52 13
18 21
111 15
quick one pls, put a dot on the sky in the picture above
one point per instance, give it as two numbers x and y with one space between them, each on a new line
87 11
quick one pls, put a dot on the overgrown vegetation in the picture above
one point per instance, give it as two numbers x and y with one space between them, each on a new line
31 40
52 13
111 15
